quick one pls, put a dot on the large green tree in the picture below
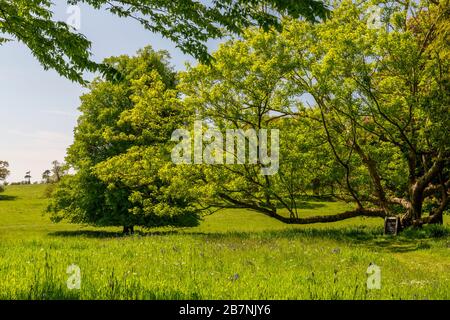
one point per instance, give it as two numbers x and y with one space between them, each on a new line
246 88
120 151
362 112
380 95
188 23
383 95
4 172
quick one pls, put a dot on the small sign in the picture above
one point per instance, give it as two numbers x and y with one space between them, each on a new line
391 225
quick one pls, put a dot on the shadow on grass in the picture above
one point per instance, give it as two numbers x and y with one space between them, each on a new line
7 198
118 289
322 198
105 234
371 238
310 202
305 205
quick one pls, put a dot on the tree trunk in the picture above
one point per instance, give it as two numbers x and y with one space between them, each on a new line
436 219
128 230
371 166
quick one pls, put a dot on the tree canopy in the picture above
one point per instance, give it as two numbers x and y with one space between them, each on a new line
362 111
188 23
4 172
120 152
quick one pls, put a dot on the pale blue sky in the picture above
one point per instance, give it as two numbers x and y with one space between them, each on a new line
39 108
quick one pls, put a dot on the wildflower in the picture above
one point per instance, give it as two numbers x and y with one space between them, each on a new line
336 250
235 277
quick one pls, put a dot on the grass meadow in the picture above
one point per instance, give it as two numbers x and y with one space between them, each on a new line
233 254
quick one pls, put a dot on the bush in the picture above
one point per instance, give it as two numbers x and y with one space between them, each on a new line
427 231
438 231
48 191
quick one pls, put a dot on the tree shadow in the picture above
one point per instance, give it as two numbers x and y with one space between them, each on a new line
372 238
7 197
50 289
300 204
310 201
99 234
309 205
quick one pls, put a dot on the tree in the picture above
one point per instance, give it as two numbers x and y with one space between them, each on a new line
28 177
58 171
188 23
377 104
121 151
383 96
245 88
4 172
46 176
363 111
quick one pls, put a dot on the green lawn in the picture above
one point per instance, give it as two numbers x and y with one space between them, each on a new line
233 254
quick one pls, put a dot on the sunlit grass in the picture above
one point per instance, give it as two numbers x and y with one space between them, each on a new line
233 254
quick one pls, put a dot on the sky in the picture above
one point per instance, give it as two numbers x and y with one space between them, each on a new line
38 108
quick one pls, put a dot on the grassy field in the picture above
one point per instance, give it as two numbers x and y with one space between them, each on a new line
234 254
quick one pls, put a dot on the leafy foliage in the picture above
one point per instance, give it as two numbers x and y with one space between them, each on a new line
120 148
383 99
362 111
188 23
4 172
247 88
374 99
53 43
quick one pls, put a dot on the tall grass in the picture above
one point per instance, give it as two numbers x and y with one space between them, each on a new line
231 255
